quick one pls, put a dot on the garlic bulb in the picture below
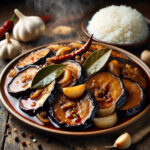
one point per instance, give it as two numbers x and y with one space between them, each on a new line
28 28
9 48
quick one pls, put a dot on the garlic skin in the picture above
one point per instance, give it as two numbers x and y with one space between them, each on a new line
28 28
145 56
9 48
123 141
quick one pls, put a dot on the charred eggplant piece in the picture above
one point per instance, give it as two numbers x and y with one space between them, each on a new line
124 68
135 99
73 74
34 58
39 99
21 83
107 89
73 114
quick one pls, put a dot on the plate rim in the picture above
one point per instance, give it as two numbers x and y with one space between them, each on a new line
65 132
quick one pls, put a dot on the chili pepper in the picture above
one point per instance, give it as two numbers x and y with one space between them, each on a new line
7 26
72 54
46 18
30 136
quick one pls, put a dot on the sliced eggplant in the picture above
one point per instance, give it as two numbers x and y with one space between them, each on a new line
126 69
35 58
107 89
73 74
135 101
21 83
43 117
39 99
73 113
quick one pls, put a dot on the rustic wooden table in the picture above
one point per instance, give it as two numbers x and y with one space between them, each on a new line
55 142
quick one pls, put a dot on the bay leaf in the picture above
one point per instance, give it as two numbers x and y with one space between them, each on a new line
46 75
96 61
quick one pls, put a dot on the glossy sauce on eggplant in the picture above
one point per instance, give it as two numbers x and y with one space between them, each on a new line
104 86
73 113
33 58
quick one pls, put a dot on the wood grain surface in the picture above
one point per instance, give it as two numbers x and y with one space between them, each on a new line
60 142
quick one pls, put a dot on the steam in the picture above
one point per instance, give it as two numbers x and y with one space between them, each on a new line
61 8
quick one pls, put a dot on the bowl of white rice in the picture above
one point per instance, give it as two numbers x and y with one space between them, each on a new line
117 25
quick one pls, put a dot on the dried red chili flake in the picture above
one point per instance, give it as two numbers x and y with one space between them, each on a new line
30 136
46 139
23 143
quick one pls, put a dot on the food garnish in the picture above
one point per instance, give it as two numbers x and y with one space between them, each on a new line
96 61
75 91
80 51
46 75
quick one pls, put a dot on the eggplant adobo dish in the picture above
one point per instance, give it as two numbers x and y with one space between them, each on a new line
76 86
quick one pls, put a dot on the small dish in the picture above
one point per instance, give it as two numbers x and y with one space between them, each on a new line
88 17
29 122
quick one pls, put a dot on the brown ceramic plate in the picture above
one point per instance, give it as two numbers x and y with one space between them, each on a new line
64 132
88 17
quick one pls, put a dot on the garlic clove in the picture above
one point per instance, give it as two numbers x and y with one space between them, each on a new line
106 122
123 141
106 111
145 56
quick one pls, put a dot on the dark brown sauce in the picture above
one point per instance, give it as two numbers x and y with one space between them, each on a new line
14 103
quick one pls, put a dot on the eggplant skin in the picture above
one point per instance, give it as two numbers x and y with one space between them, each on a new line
136 109
120 101
46 104
140 78
83 75
41 61
21 93
87 124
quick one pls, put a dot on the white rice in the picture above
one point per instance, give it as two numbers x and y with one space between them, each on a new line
118 24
